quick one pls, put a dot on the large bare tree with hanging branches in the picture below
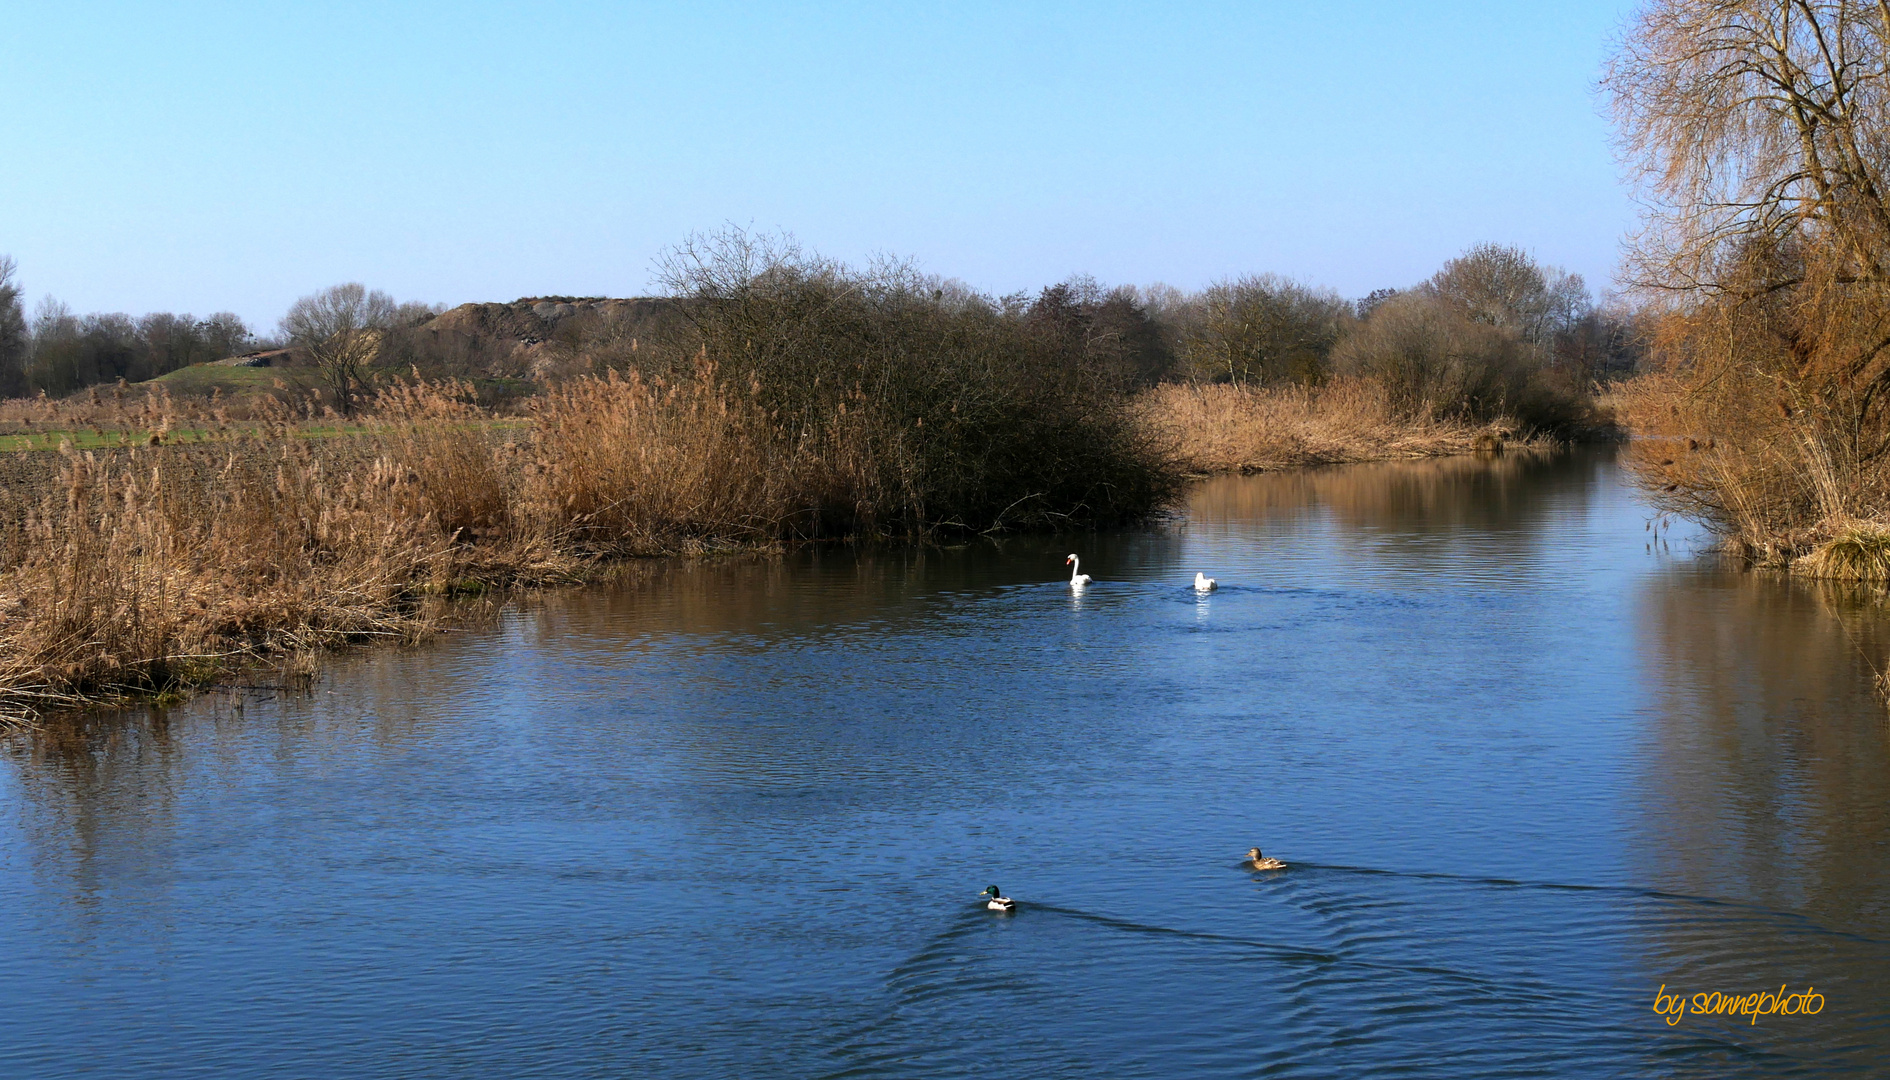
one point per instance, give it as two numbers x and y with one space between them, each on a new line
1756 125
1760 132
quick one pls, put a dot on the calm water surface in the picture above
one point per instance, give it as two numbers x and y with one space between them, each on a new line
1530 760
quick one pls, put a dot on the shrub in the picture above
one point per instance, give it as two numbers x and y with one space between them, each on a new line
1255 330
906 409
1433 360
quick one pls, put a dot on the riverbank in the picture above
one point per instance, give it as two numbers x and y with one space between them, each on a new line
148 567
1785 482
1222 428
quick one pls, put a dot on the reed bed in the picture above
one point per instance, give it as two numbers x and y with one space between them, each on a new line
782 398
123 414
1785 484
150 568
1226 428
157 568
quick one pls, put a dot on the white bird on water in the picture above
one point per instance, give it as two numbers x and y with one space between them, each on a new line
1078 579
1203 583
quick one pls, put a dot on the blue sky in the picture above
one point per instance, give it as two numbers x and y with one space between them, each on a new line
202 157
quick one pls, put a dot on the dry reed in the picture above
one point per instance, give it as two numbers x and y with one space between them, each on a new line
1770 476
1225 428
149 568
1858 551
1776 478
146 570
143 409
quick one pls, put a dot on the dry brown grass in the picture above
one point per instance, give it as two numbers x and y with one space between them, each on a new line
145 568
1773 474
1776 476
153 567
148 568
144 408
682 467
1857 551
1225 428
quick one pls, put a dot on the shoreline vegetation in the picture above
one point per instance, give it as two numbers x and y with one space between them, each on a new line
1764 264
772 398
1219 428
217 497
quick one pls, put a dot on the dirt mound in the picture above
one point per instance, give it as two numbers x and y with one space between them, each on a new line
535 319
534 337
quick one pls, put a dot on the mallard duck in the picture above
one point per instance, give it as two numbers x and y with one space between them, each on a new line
996 901
1078 579
1257 861
1203 583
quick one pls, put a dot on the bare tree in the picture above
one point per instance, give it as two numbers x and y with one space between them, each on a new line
1262 329
226 334
1756 123
1761 129
1372 301
343 328
13 339
1504 287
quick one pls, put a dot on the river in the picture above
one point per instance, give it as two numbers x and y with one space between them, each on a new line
1531 757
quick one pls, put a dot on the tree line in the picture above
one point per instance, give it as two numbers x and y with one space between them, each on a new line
58 352
1492 332
1269 329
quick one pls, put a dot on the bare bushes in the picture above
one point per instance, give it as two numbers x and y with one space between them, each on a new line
1432 360
1483 353
1492 348
1222 428
1257 330
1757 427
904 408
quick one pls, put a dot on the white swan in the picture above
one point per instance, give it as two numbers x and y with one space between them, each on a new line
1203 583
1077 577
